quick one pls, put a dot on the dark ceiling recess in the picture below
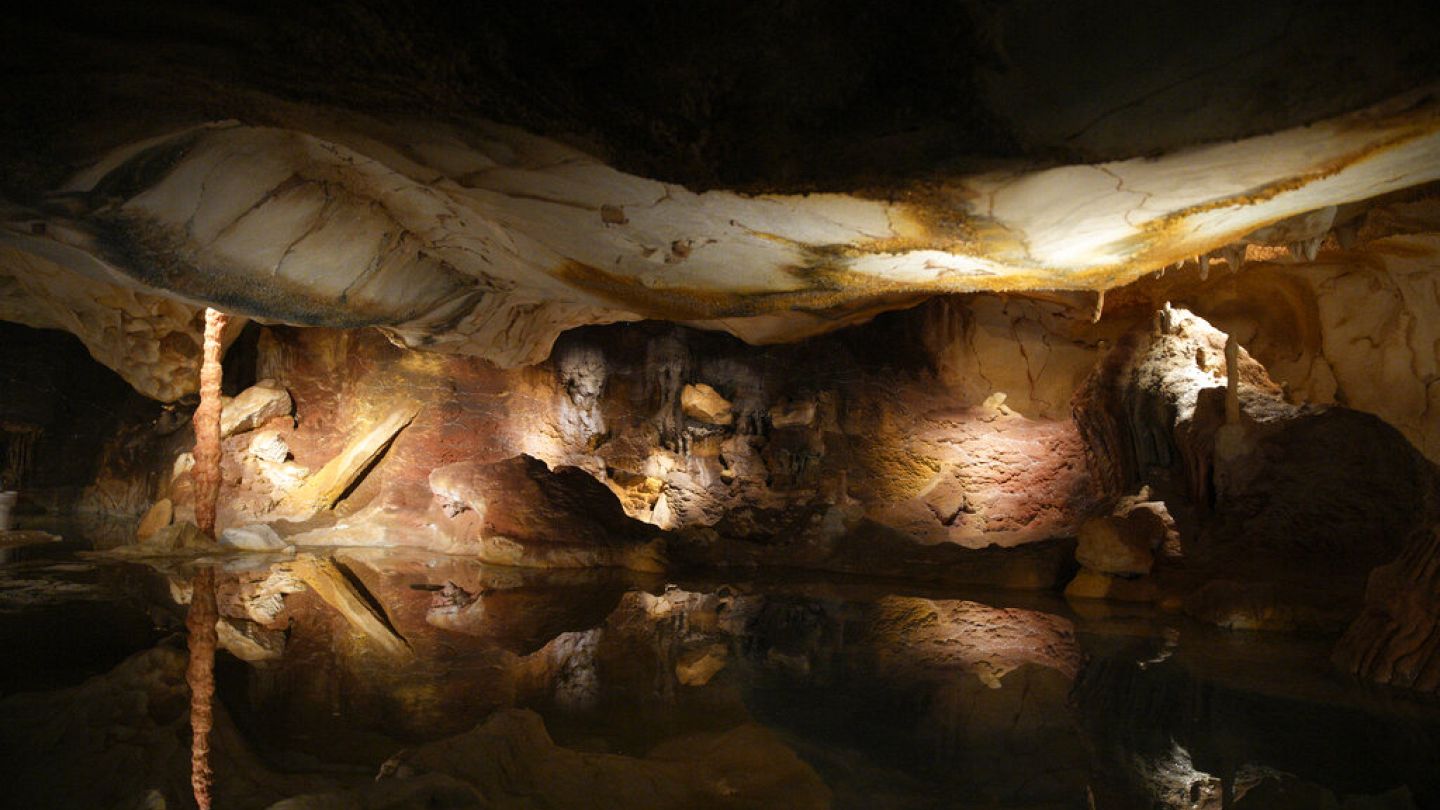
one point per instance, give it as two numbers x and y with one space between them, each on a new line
795 95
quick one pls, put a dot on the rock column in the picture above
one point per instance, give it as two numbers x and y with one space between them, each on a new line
207 425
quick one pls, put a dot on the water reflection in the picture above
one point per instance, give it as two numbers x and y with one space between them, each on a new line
770 692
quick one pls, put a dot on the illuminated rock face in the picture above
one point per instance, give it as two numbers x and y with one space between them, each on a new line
866 468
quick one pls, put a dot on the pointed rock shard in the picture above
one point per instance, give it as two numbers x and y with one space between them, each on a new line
323 489
329 583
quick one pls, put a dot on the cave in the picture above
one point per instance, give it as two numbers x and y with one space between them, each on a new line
1006 405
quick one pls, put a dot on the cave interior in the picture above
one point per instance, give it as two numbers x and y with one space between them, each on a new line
815 404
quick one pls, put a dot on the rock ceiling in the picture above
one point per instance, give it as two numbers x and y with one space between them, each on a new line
196 182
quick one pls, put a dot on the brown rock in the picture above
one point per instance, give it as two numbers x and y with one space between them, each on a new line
1114 545
704 404
697 667
157 518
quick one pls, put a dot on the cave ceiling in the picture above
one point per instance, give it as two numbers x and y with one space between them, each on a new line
479 179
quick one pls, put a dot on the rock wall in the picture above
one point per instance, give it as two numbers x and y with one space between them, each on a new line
1396 639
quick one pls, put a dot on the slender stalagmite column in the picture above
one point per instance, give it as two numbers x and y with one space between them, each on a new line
1232 381
207 425
200 674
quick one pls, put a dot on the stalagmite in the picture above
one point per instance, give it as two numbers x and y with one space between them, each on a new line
200 675
207 424
1232 381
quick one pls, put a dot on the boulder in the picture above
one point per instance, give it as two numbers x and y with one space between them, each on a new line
157 518
704 404
255 537
254 407
269 445
1114 545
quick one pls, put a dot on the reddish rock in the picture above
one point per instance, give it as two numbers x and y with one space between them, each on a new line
1115 545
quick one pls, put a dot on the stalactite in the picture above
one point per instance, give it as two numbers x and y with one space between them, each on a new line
200 675
207 425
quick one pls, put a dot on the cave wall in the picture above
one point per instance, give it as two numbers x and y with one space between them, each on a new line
808 445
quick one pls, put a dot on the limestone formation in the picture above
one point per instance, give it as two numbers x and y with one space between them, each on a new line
975 404
177 537
519 512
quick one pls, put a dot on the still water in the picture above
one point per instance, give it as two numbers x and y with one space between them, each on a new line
524 688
